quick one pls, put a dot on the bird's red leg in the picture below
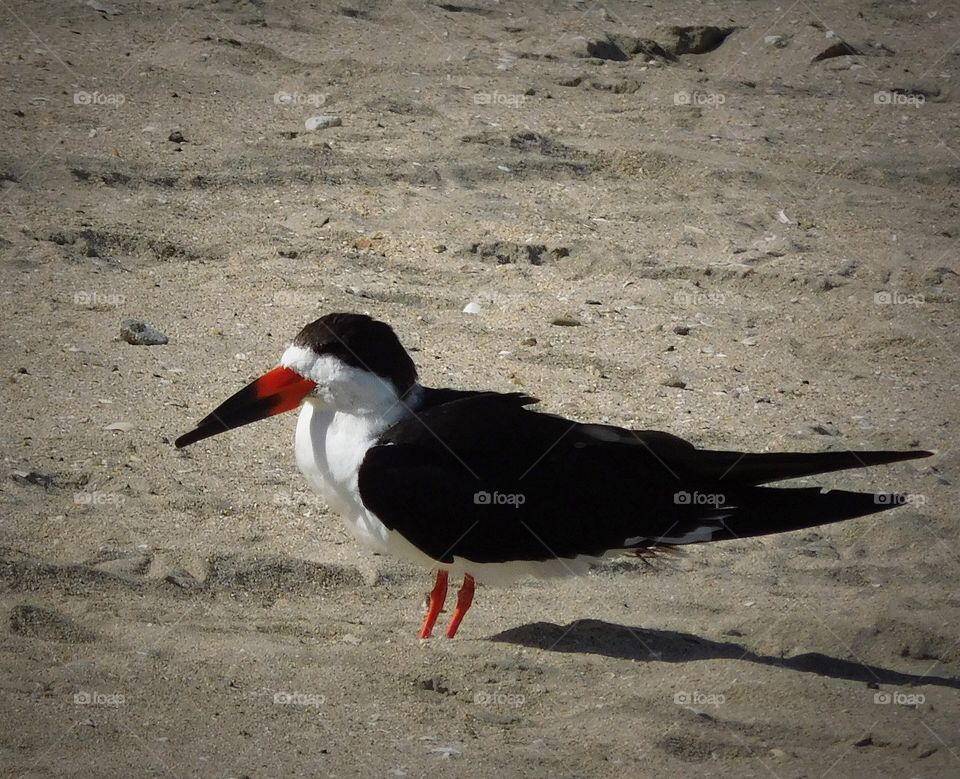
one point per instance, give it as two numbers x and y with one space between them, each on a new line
437 596
464 599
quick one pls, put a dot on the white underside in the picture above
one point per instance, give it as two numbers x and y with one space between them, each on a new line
330 447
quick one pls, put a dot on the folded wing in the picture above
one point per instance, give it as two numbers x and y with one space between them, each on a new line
482 477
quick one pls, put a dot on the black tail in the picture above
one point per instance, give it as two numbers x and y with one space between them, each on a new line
761 511
724 499
736 468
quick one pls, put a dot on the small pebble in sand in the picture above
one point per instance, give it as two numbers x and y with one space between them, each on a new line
472 308
681 329
183 579
322 122
138 333
176 137
566 321
825 428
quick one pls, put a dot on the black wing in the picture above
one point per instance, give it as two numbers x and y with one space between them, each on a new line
483 478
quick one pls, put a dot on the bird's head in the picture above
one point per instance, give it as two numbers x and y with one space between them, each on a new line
346 362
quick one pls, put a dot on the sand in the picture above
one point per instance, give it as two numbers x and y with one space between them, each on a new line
744 216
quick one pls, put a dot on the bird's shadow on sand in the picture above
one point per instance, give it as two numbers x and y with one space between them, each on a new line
588 636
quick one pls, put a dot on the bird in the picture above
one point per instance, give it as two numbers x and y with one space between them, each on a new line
479 485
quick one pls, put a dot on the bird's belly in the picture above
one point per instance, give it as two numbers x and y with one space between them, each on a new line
368 530
517 570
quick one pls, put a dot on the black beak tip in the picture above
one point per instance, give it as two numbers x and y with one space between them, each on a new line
197 434
185 440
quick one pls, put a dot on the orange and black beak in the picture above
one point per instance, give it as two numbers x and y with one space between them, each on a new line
276 391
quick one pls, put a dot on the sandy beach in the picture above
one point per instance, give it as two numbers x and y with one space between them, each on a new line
733 221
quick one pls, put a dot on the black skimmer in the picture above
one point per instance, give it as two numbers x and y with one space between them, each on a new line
477 484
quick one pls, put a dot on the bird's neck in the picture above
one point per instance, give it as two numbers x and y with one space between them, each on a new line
367 413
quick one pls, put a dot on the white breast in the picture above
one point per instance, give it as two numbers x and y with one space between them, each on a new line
330 446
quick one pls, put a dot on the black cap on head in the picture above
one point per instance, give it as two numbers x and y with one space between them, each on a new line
362 342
